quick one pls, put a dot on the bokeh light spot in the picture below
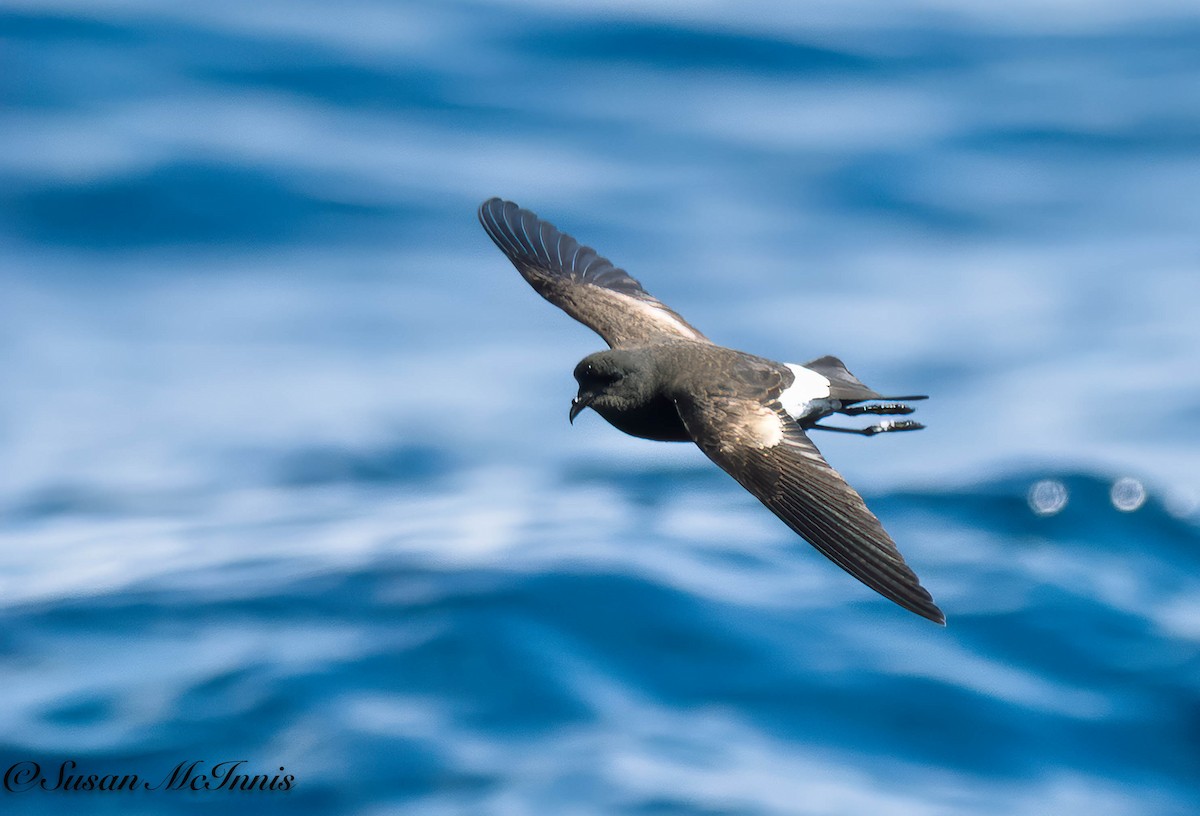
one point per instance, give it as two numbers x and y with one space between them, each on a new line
1047 497
1127 494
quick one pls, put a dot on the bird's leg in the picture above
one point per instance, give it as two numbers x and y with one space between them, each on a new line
883 427
879 408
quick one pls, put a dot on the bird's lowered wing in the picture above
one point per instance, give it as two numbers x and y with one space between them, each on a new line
579 281
768 453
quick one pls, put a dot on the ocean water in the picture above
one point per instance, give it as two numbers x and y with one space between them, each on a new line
285 471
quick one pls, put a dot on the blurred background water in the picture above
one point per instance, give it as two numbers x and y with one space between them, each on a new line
286 473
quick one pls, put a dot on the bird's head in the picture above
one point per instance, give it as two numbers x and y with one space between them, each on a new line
610 380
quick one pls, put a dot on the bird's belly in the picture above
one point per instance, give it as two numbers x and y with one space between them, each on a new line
658 420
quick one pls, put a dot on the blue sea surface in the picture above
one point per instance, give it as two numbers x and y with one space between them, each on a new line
285 469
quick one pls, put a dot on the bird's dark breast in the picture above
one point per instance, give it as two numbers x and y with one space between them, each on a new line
658 420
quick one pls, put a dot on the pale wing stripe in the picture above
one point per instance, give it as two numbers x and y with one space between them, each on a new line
590 288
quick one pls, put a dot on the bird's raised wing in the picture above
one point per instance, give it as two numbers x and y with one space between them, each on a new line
767 452
579 281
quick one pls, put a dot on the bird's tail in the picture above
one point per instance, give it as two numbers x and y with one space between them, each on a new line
844 386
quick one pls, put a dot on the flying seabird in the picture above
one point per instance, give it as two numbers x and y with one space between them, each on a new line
664 380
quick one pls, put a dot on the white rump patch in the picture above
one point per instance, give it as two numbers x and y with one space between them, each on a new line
808 394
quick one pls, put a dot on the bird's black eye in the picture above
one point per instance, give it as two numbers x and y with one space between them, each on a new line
591 373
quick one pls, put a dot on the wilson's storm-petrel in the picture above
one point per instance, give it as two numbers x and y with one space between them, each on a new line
664 380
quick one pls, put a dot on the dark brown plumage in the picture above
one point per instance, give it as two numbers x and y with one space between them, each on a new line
665 380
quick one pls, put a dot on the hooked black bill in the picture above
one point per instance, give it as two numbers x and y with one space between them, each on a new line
577 406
